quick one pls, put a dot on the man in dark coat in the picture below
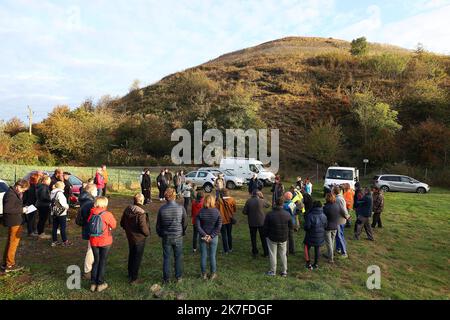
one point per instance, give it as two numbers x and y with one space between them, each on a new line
277 190
135 222
315 224
13 218
276 228
378 207
254 184
254 209
364 212
146 186
162 183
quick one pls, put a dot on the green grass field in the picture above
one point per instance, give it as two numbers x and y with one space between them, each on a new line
412 251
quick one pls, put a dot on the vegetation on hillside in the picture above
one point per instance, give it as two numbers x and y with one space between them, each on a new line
388 104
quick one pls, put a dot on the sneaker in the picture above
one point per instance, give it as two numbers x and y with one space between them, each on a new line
283 274
13 268
270 273
339 251
204 276
44 236
315 266
194 250
179 280
93 287
309 266
67 243
55 243
213 276
102 287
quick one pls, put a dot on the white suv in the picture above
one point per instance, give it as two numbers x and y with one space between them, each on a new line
202 179
231 181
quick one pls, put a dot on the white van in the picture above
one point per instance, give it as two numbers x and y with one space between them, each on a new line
340 175
245 168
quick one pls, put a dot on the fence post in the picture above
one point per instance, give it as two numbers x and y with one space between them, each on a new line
15 175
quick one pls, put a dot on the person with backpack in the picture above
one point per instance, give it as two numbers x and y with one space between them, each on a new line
315 224
208 224
363 214
146 186
197 205
99 181
277 224
307 200
171 224
43 202
135 222
58 210
219 184
86 200
297 199
13 212
254 210
67 187
227 208
101 223
332 211
30 198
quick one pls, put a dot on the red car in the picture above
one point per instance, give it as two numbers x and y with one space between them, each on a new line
76 183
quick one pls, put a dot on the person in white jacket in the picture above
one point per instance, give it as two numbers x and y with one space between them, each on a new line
59 208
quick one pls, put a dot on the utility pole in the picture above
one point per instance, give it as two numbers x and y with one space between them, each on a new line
30 118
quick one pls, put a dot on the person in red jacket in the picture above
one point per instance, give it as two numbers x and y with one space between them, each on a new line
101 244
99 181
197 205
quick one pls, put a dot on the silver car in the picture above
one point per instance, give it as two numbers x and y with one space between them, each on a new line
202 179
395 182
231 181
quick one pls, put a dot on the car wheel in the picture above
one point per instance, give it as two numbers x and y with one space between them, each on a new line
421 190
208 187
385 188
231 185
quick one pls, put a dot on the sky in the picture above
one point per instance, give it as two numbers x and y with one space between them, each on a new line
63 52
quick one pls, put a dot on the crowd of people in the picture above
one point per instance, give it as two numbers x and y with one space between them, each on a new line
212 216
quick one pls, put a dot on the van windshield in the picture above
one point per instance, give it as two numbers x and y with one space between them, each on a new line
339 174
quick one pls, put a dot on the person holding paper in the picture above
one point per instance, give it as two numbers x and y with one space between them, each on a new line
29 200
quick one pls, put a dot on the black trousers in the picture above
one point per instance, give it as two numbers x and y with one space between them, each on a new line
32 219
136 251
187 201
227 240
376 220
99 266
291 242
44 213
147 195
162 190
194 237
253 231
104 191
308 254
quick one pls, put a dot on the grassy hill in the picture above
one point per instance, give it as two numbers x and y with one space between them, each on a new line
295 82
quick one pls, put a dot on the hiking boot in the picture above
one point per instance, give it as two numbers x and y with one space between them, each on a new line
93 287
13 268
44 236
213 276
204 276
102 287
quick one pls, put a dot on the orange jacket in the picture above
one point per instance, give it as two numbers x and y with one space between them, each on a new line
227 208
109 224
105 175
349 196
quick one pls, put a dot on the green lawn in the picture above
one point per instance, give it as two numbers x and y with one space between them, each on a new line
412 252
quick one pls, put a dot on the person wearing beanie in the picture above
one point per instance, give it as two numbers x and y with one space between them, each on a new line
291 208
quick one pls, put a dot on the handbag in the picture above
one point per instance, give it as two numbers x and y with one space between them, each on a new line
56 209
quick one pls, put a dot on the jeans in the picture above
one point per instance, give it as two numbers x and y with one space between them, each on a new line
44 213
99 266
175 246
280 248
330 238
227 240
341 245
208 249
363 222
376 220
60 222
187 201
316 253
12 242
32 222
253 231
194 237
136 251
